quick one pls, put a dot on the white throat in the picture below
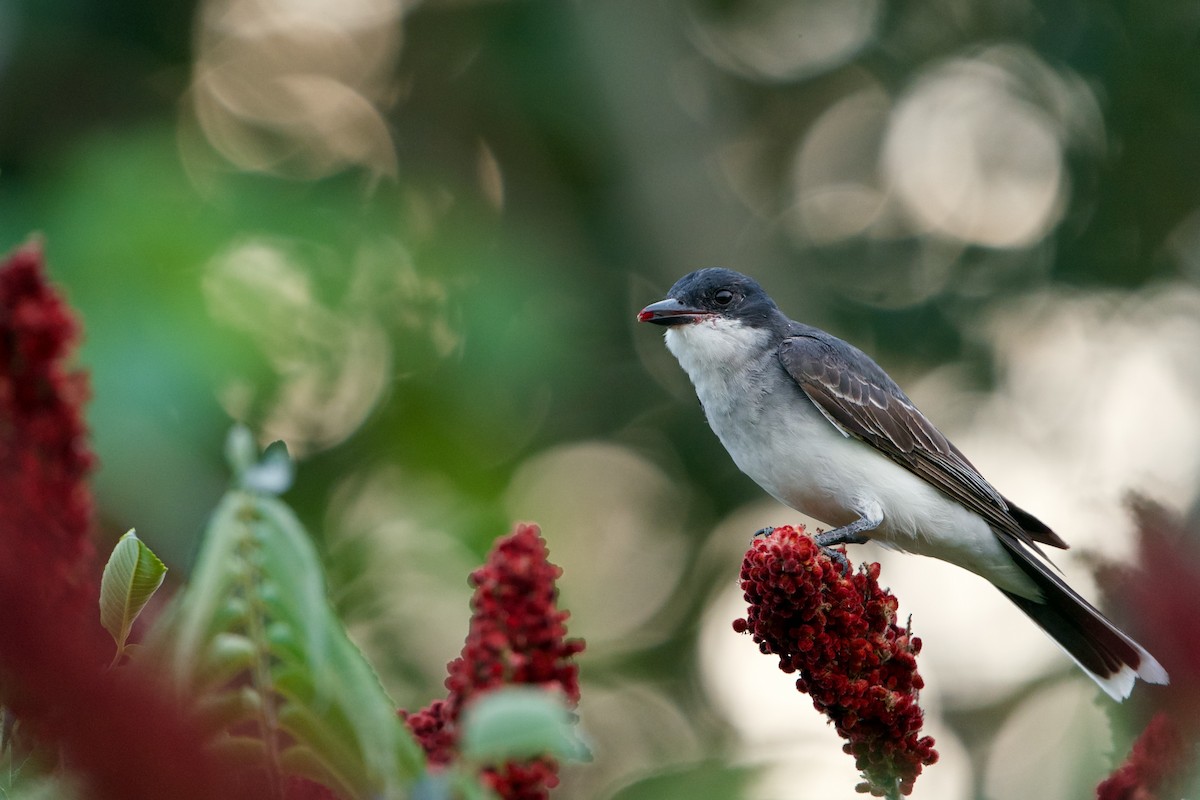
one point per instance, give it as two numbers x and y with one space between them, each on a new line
715 345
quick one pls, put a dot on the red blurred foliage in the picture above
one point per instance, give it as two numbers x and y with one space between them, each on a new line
1158 758
517 636
839 633
125 740
1162 605
45 506
1156 592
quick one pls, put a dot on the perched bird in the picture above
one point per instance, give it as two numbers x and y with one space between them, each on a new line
823 429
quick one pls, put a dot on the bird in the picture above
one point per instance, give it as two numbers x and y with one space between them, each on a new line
823 429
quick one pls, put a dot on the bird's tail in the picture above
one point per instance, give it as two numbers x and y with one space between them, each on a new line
1112 659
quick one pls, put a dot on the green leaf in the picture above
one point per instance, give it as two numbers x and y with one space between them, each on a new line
226 710
255 618
131 577
302 761
520 723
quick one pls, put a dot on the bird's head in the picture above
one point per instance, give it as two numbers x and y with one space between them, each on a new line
715 318
710 295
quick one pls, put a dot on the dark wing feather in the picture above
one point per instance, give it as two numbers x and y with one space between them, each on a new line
863 402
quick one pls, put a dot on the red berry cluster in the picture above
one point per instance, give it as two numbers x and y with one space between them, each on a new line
517 636
433 726
839 633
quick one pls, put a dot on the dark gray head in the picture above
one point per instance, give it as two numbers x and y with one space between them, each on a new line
713 292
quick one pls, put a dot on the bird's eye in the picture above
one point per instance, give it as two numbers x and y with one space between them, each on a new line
723 297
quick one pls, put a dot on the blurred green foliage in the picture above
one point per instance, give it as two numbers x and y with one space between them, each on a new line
419 244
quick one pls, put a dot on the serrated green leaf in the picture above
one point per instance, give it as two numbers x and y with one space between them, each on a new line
131 577
222 711
295 682
198 614
284 643
519 723
247 751
339 756
227 656
302 761
343 678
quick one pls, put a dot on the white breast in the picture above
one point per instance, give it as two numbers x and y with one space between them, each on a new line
778 437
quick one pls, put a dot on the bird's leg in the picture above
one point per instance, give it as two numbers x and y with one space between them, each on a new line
767 531
839 558
847 534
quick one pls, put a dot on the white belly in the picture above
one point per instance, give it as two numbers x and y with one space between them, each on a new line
789 449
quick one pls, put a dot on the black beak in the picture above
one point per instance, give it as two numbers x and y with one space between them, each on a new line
671 312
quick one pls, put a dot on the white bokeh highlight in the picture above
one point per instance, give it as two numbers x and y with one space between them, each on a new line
786 40
1055 744
971 157
612 520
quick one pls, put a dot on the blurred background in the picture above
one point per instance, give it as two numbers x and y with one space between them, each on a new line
410 239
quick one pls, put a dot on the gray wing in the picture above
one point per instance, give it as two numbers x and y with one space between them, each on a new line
859 398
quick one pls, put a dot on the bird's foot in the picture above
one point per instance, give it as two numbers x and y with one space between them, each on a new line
838 557
833 538
829 540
